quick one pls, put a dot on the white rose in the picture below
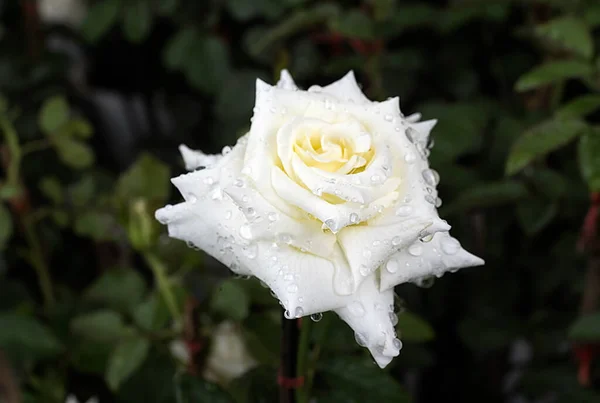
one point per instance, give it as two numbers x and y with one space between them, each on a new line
228 357
329 200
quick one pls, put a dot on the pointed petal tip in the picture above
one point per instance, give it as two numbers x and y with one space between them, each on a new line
261 85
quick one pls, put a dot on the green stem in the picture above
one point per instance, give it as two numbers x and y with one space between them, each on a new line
160 274
38 262
303 393
12 142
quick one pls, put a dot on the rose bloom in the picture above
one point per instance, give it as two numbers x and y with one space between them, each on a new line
329 200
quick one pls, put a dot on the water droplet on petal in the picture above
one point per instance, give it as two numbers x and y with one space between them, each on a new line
228 214
366 253
331 224
430 199
397 344
361 340
375 179
426 282
226 150
388 118
208 180
393 318
431 177
396 240
404 211
450 246
288 315
285 238
273 216
292 288
392 266
299 312
410 158
246 232
239 183
353 218
251 251
426 238
316 317
410 134
438 202
415 250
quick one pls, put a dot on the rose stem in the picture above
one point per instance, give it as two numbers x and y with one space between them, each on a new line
289 357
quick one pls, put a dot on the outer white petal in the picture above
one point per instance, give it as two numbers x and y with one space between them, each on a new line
422 259
368 247
208 219
304 283
346 89
368 314
286 81
195 159
424 129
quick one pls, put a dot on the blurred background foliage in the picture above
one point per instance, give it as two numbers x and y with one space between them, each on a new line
96 300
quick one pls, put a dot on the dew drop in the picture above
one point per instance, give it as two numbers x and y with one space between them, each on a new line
438 202
426 282
388 118
410 134
353 218
361 340
375 179
430 199
239 183
392 266
393 318
245 231
285 238
288 315
431 177
273 217
208 180
228 214
397 344
292 288
226 150
251 251
415 250
450 246
316 317
396 240
331 225
426 238
288 277
299 312
367 253
404 211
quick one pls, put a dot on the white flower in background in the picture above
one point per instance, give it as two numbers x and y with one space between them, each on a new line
228 357
73 399
62 12
329 200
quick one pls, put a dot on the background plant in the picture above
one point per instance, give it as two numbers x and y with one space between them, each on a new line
93 295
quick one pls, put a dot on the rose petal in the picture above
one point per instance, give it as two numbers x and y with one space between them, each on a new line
194 159
346 89
286 81
368 314
422 259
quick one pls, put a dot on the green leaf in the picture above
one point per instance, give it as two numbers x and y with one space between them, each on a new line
231 300
96 225
99 326
579 107
540 140
152 314
487 195
352 380
589 158
192 389
592 15
101 16
52 189
553 72
74 153
535 214
586 328
569 33
82 192
80 128
127 357
7 192
54 114
26 337
413 328
90 357
207 65
118 289
137 20
148 178
177 50
6 226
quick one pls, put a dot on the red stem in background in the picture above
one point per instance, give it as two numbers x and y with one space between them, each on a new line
590 224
